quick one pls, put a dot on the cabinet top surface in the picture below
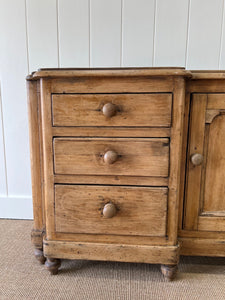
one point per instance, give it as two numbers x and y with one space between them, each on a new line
110 72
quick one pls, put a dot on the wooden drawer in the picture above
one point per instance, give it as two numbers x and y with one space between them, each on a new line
112 156
125 110
138 210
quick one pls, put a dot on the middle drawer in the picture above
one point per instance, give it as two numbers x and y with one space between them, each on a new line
112 156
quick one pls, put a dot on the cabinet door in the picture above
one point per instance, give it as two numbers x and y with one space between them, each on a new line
205 179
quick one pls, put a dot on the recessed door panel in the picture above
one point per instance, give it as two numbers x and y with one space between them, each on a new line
205 179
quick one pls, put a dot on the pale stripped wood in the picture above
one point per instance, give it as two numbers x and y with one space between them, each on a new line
109 72
45 93
112 132
183 159
201 234
140 210
196 145
35 154
214 196
206 86
211 114
117 180
137 157
146 110
212 222
112 85
112 252
175 158
216 101
207 74
202 246
161 228
113 238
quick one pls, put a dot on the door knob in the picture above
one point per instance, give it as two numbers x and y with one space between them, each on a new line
196 159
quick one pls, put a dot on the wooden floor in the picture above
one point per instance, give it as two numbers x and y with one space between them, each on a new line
21 277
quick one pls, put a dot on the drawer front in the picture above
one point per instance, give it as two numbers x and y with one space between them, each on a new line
111 210
127 110
112 156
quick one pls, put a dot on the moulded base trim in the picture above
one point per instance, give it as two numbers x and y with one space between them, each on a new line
112 252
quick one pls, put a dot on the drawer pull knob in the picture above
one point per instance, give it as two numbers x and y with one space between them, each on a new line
110 157
109 210
109 110
196 159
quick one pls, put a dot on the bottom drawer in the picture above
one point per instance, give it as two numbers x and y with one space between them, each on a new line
115 210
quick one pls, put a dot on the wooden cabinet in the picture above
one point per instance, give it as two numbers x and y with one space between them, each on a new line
202 207
127 164
205 185
106 157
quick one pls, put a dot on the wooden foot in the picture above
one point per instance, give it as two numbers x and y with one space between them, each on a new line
52 265
169 271
39 255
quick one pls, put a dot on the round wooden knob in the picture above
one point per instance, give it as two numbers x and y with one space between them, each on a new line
109 110
197 159
109 210
110 157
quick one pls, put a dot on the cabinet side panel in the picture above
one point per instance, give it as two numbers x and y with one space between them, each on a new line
36 161
46 126
175 157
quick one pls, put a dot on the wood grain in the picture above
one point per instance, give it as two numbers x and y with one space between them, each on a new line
139 210
109 179
45 93
196 145
146 110
35 154
137 157
113 239
108 72
175 158
112 252
216 101
120 158
212 222
112 85
202 247
111 132
214 199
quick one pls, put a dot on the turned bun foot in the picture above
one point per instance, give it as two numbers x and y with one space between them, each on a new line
39 255
169 271
52 265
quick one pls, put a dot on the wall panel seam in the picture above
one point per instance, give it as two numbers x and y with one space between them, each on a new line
121 34
90 43
26 28
89 33
187 34
3 141
154 33
57 28
221 38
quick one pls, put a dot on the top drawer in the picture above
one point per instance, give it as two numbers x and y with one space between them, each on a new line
115 110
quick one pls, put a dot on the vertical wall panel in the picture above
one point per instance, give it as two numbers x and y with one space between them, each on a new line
13 70
222 49
73 33
204 34
171 32
105 33
137 32
42 34
3 175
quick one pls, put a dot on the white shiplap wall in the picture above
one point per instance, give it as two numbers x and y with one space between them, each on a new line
90 33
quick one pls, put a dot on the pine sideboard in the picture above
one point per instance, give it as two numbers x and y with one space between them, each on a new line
127 164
